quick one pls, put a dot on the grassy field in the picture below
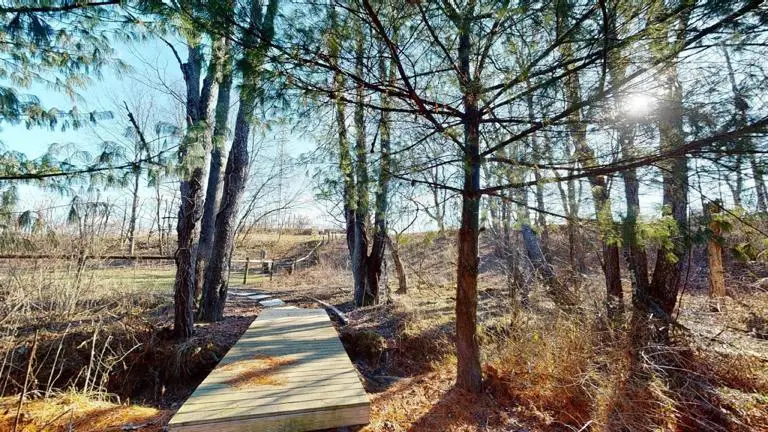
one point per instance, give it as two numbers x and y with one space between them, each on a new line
156 279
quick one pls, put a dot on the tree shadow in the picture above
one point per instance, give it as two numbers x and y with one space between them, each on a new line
458 409
257 371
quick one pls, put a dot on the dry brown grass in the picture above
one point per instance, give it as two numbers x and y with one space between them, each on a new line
573 372
429 402
77 412
546 366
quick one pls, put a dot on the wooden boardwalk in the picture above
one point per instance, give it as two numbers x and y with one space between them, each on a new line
288 372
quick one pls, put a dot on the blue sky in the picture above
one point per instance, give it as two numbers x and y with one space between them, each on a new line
154 69
153 62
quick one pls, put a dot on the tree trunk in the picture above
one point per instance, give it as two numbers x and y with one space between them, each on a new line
189 213
439 215
468 374
376 259
362 293
122 224
716 273
665 284
600 195
557 291
158 202
199 133
236 173
169 206
345 159
213 189
575 243
760 189
134 214
359 262
541 220
637 260
570 209
235 177
516 280
402 281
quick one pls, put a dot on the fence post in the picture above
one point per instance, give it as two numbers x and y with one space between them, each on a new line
245 273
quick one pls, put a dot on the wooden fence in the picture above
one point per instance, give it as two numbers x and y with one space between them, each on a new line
264 265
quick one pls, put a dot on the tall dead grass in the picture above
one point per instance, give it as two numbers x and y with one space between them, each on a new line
82 327
574 372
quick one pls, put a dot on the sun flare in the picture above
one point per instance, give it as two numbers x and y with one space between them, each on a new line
638 104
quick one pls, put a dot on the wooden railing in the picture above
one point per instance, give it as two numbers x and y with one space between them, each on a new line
267 266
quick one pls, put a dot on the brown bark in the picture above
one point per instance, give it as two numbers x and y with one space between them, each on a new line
345 158
236 173
158 202
716 273
199 133
134 214
468 374
376 260
235 177
360 273
637 260
402 281
214 187
190 212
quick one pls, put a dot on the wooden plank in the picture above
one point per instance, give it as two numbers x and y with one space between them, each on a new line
287 377
223 393
328 419
299 380
269 405
257 414
288 372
